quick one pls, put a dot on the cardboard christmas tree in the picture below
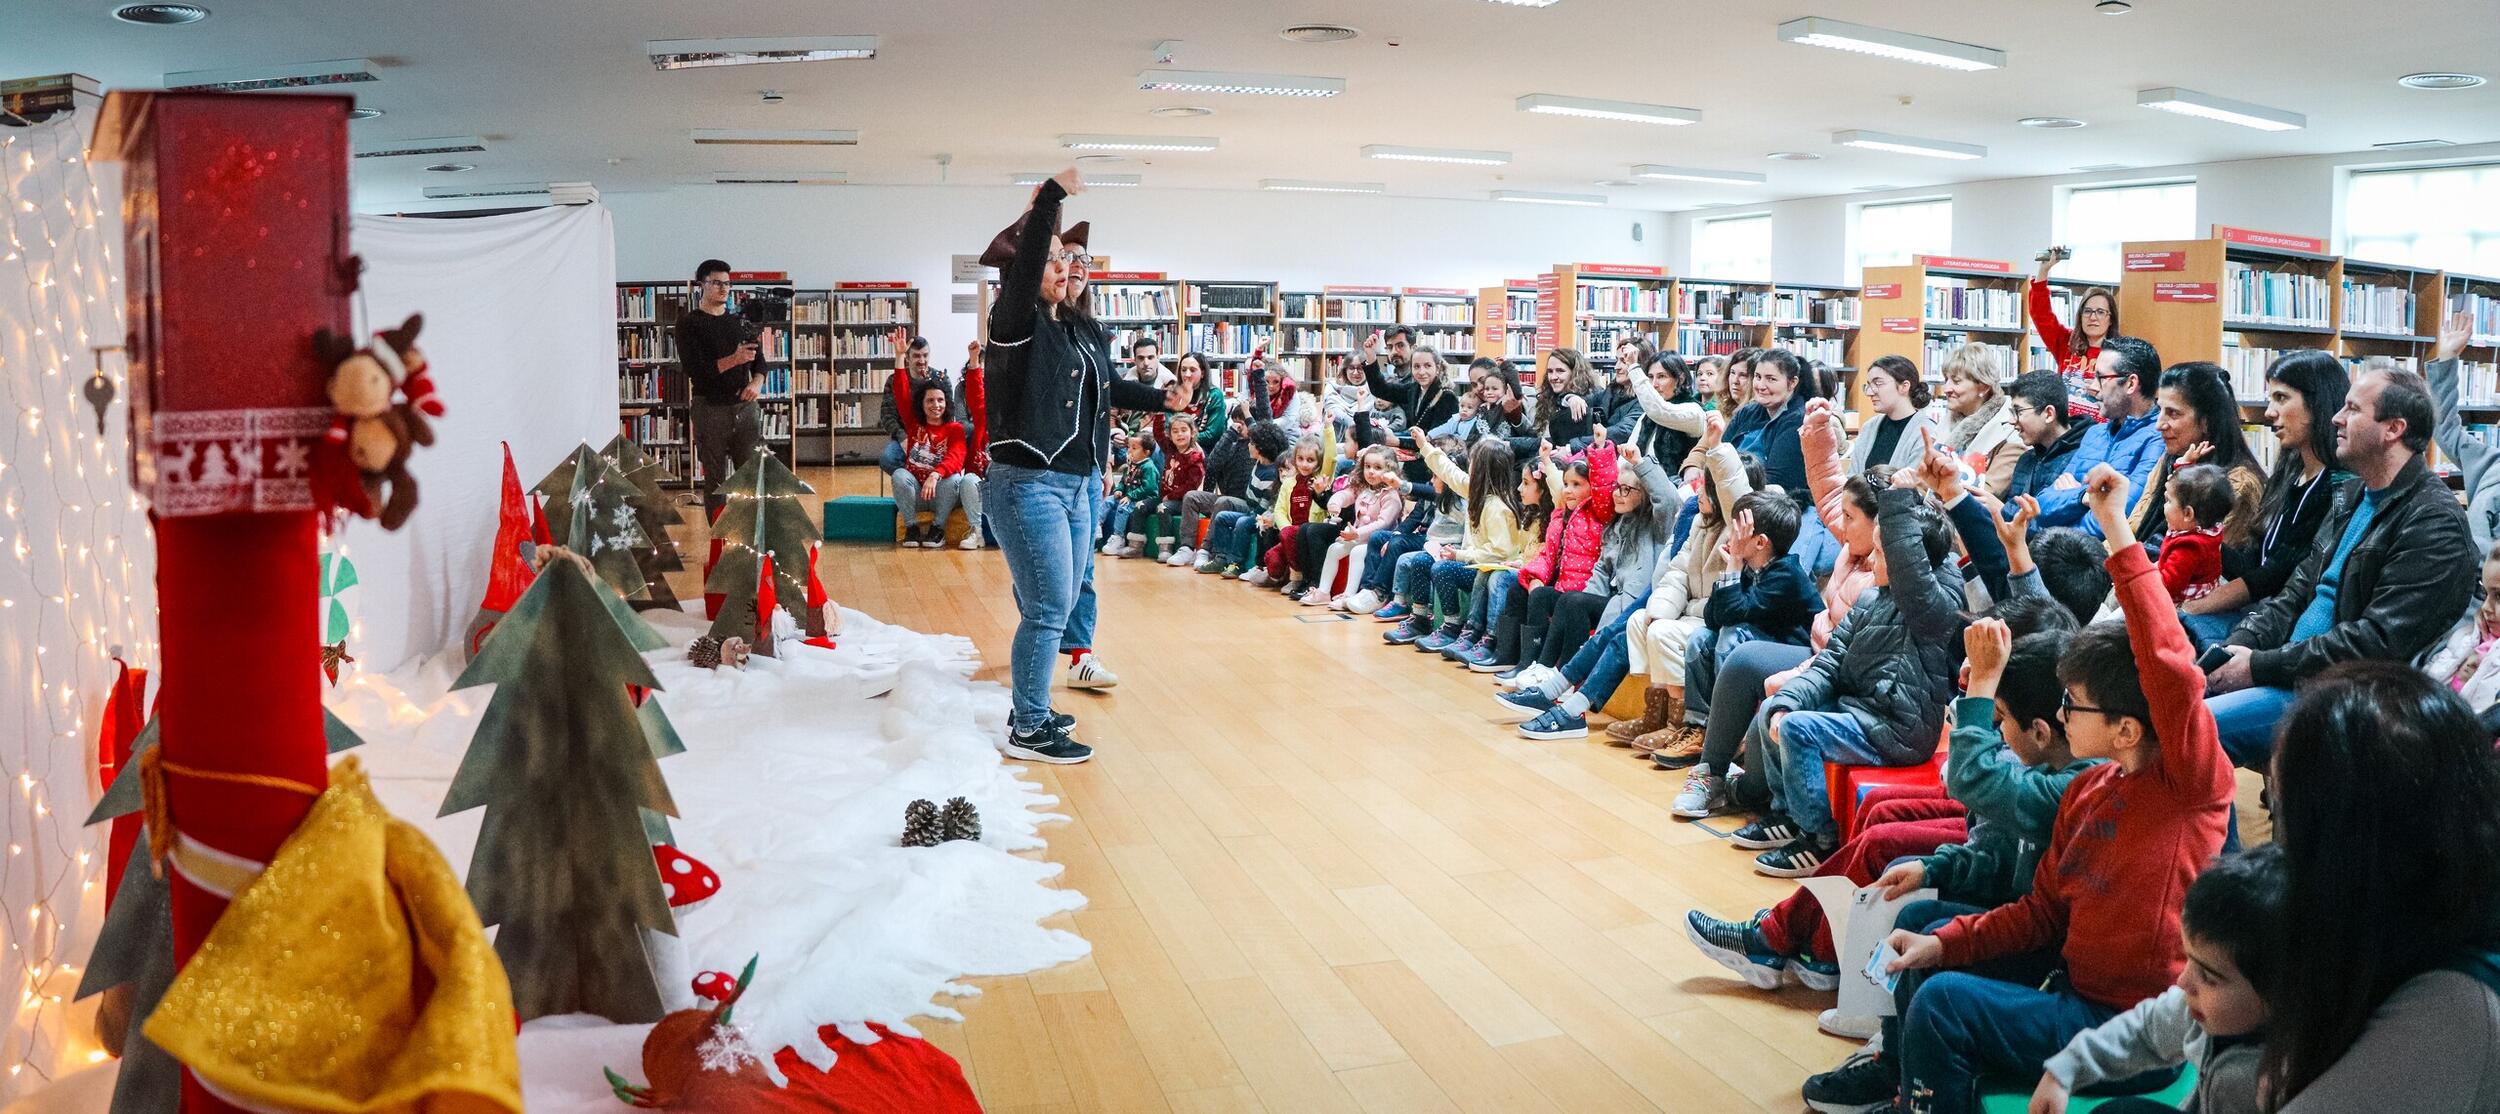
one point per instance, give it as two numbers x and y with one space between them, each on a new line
658 554
590 508
765 531
565 766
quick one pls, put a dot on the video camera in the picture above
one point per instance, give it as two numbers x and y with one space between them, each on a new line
759 310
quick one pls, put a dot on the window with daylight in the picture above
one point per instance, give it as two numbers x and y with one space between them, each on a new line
1887 234
2099 220
2440 216
1733 247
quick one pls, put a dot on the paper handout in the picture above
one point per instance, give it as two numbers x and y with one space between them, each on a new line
1860 919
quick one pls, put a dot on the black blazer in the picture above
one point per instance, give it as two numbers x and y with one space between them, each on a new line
1039 366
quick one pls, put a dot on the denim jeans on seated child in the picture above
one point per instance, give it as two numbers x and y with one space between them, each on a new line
1600 665
1380 567
1116 523
2000 1019
1806 740
1491 590
1231 537
1412 578
1450 582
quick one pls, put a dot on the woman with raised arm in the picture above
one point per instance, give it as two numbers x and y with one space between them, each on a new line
2077 346
1050 389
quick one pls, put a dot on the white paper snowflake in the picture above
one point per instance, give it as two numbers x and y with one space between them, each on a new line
727 1050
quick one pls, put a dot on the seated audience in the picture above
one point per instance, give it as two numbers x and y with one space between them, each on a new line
2198 420
1136 490
2123 438
901 398
2304 390
2461 659
1983 432
2199 500
2471 453
1766 425
1560 696
933 475
1491 539
2038 403
1584 502
1900 400
1661 630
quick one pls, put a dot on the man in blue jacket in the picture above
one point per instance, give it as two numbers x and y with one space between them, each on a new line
2124 439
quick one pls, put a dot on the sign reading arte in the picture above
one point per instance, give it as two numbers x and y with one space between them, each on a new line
2254 238
759 276
2183 292
1881 292
2156 261
1900 324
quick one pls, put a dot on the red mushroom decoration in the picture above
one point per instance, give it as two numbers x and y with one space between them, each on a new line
687 882
715 986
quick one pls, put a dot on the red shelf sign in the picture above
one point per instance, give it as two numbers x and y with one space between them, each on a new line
1520 284
1548 311
2183 292
872 286
1957 263
1494 315
1900 324
1434 292
1124 276
1881 292
2254 238
759 276
1621 270
2156 261
1357 290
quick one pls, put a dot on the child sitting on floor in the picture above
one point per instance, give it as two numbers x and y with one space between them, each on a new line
1410 582
1584 502
1184 468
1371 504
2191 552
2104 901
1494 580
1301 499
2213 1018
1489 536
1139 486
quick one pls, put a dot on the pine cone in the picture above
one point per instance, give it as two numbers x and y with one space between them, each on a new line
961 820
921 826
704 652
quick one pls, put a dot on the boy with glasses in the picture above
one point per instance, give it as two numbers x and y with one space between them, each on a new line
723 367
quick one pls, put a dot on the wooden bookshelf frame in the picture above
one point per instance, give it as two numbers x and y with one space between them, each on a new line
1894 320
1454 340
861 379
1595 332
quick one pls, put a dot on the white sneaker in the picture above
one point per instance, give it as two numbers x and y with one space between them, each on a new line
972 540
1340 602
1181 556
1111 548
1256 578
1314 598
1207 562
1089 672
1704 795
1841 1025
1531 677
1365 602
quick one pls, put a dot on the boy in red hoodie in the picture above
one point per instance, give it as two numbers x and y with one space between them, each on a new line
2099 930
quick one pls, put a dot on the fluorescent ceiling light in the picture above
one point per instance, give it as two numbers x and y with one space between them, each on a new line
774 137
780 178
2414 144
2051 123
363 112
254 79
1436 154
1296 185
1259 84
1793 156
1036 178
692 54
438 145
1909 145
1535 197
1697 174
1899 46
557 193
1552 104
1526 3
1091 142
2189 102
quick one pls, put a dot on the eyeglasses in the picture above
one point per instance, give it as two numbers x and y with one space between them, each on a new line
714 284
2066 708
1076 259
2093 311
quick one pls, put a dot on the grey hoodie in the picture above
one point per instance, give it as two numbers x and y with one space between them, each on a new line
2158 1033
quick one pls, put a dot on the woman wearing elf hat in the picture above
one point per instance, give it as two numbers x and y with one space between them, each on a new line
1050 389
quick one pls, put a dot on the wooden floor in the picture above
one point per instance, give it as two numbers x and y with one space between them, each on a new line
1321 877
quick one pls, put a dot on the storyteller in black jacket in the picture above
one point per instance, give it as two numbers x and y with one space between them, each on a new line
1051 386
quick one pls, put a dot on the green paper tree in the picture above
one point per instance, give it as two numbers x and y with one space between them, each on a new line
591 511
765 515
658 555
566 767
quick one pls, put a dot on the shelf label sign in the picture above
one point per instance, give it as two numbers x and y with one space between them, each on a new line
1882 292
1358 290
759 276
1434 292
872 286
2156 261
1548 311
2254 238
2183 292
968 268
1494 315
1900 324
1622 270
1520 284
1957 263
1124 276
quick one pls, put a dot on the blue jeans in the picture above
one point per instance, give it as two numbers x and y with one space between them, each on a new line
1387 548
1492 589
1232 536
1704 652
1815 546
1044 521
1599 666
1116 525
1450 581
2205 630
1806 741
2246 720
890 458
1412 577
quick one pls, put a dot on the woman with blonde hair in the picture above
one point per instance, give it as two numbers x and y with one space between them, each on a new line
1982 433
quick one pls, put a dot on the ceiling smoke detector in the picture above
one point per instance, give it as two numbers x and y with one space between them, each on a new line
1319 33
160 15
2440 80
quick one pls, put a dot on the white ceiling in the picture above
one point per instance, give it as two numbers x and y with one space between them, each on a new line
562 90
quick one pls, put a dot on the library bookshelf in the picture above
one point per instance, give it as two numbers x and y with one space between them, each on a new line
1716 317
1299 337
1225 322
773 395
1506 322
1594 306
1444 320
1136 305
860 319
1923 310
1350 313
654 406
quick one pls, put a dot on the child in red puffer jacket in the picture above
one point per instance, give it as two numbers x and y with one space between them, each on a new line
1584 502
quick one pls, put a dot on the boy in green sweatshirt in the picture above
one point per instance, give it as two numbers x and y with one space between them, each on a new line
1139 489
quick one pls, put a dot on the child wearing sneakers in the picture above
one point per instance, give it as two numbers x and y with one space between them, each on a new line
1494 581
1877 692
1660 636
1369 504
2008 766
1410 602
2214 1017
1765 595
1138 487
1489 535
1184 468
2103 912
2191 552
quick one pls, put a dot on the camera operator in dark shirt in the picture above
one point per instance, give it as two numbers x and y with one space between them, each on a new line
724 365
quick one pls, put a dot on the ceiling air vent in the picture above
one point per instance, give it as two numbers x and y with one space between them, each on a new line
1319 33
160 15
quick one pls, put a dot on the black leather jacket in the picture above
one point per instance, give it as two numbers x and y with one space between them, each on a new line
1039 397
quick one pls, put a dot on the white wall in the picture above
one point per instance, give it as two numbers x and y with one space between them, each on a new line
1304 240
2013 218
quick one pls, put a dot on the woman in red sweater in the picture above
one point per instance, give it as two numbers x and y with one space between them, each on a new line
2075 347
933 474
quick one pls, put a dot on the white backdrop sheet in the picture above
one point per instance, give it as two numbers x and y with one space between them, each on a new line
520 327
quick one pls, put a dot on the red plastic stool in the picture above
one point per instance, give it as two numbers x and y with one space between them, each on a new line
1847 785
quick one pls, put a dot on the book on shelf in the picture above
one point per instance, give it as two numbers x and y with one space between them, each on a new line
1980 307
2262 444
1437 311
871 309
1237 298
1599 337
1830 351
1520 344
1302 307
646 342
1596 296
2483 310
2378 308
1447 342
811 311
650 386
1366 309
810 346
862 346
1807 307
1522 310
2247 365
1125 338
1704 302
2477 384
1939 346
657 428
1116 300
654 304
1230 338
1304 338
2273 297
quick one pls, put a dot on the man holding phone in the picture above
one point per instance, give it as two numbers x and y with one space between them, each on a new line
724 366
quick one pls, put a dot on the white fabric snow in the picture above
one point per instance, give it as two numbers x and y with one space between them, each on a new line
792 787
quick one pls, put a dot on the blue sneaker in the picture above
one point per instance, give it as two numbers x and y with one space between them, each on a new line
1393 613
1408 632
1737 946
1485 659
1437 641
1556 724
1462 647
1524 704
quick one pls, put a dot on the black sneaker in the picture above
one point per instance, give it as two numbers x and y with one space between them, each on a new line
1737 946
1797 859
1774 830
1862 1084
1048 743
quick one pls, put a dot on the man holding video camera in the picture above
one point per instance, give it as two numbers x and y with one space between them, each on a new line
722 358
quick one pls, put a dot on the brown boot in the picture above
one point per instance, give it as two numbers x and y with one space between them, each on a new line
1654 715
1676 747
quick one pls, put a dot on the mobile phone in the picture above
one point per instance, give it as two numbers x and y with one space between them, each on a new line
2213 658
